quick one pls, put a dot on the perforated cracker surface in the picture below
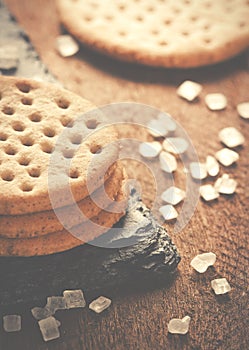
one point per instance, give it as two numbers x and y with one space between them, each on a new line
32 117
183 33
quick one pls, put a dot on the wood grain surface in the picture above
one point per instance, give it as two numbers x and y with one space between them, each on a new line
139 316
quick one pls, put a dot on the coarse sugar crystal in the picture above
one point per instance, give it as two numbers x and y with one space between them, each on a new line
12 323
243 110
173 195
179 326
66 45
168 212
226 156
220 286
100 304
189 90
216 102
231 137
201 262
176 145
168 162
208 192
150 149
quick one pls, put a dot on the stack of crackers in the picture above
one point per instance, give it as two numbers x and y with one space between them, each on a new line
60 180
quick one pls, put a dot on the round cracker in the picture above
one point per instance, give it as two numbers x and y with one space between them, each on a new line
186 33
46 222
35 117
64 240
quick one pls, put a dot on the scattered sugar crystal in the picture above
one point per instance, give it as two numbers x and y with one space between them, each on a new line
49 328
168 121
212 166
66 45
150 149
220 286
40 313
201 262
176 145
74 298
173 195
231 137
216 102
100 304
167 162
208 192
225 184
9 56
243 110
168 212
198 170
56 303
157 128
12 323
189 90
226 156
179 326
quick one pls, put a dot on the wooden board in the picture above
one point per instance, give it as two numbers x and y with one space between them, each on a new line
138 318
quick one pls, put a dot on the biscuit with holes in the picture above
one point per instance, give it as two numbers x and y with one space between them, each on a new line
169 33
52 143
42 223
64 240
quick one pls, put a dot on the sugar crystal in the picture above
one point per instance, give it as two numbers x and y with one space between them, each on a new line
173 195
157 128
225 184
220 286
198 170
208 192
66 45
231 137
216 102
167 162
41 313
189 90
74 298
201 262
150 149
243 110
56 303
49 328
176 145
168 212
212 166
226 156
12 323
100 304
168 121
179 326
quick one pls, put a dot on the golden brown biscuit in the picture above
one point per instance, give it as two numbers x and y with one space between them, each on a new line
64 240
186 33
42 223
33 116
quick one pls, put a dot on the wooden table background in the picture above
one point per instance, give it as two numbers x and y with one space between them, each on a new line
138 318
